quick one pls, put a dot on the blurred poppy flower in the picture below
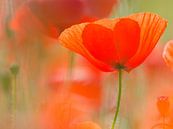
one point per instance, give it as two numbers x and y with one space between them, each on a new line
168 54
53 16
85 81
63 111
87 125
70 105
57 13
25 24
158 104
63 13
154 61
154 66
163 105
112 44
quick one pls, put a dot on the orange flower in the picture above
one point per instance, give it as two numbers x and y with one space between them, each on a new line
87 125
63 112
168 54
163 105
112 44
85 81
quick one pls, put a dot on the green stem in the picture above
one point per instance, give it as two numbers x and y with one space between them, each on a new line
71 64
14 102
118 99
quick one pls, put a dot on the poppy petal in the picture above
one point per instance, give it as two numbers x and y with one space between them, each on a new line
168 54
99 42
108 23
126 39
71 38
152 27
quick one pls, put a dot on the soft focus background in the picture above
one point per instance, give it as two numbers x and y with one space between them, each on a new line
45 86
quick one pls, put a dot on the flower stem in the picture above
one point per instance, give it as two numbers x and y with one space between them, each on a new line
119 98
14 103
14 70
163 122
70 65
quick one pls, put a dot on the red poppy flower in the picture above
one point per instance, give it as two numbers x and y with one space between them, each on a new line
168 54
112 44
68 11
50 17
57 13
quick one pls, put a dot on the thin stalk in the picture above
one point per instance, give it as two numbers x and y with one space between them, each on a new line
69 72
70 65
118 99
163 122
14 101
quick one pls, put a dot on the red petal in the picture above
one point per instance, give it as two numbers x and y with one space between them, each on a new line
126 38
99 42
71 38
152 27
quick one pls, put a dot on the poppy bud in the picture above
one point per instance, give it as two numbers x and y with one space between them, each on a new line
14 69
163 105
